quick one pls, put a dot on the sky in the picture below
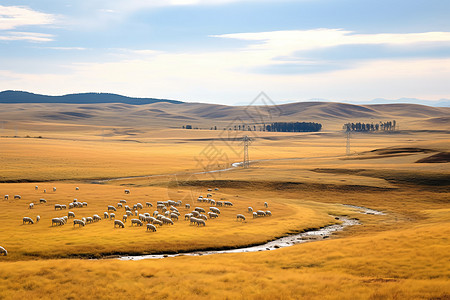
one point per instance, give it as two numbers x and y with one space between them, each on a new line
228 51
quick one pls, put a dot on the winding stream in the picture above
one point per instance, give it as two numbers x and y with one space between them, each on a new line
294 239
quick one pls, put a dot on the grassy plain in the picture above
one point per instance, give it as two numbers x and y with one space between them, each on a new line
404 254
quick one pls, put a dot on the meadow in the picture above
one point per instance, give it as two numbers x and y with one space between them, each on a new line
305 178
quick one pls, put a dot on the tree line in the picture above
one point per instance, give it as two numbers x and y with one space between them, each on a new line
273 127
364 127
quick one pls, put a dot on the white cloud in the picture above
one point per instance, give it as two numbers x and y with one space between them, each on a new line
279 43
26 36
12 17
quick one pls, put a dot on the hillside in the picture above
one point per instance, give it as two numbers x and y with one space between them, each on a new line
83 98
108 110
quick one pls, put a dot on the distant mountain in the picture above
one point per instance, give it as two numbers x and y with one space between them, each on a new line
438 103
83 98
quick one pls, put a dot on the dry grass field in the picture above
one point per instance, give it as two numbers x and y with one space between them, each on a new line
305 178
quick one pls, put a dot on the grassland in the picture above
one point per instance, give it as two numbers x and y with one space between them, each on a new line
403 254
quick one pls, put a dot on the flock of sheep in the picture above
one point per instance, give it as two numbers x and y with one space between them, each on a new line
165 214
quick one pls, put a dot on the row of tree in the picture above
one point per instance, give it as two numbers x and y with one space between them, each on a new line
385 126
273 127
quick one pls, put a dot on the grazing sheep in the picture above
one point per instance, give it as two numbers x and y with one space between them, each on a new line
119 223
85 204
266 204
58 206
112 216
96 218
123 201
45 191
17 197
201 222
38 217
71 214
110 207
105 215
209 190
54 189
261 213
137 222
158 222
187 216
240 217
3 251
151 227
127 208
212 215
135 207
136 212
167 213
75 200
42 200
195 213
155 213
215 210
219 203
203 217
64 219
250 209
27 220
139 205
167 221
268 213
6 197
127 191
192 220
227 203
88 220
58 221
78 222
213 202
129 213
172 208
124 218
187 206
141 217
31 205
173 216
63 206
77 189
255 215
70 205
199 209
216 189
36 187
208 195
119 204
148 204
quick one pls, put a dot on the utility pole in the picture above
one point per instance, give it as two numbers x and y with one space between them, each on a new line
246 140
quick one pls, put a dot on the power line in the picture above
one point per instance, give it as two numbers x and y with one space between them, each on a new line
246 163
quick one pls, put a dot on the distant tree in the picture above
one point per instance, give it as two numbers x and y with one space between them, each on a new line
188 126
183 126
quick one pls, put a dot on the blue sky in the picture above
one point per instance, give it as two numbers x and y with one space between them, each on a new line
227 51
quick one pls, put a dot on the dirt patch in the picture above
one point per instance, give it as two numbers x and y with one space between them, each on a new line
397 150
441 157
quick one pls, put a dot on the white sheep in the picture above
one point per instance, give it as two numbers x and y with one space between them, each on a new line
85 204
255 215
127 191
78 222
129 213
250 209
88 220
187 216
266 204
119 204
203 217
58 221
167 221
268 213
17 197
71 214
136 212
58 206
195 213
38 217
148 204
123 201
27 220
215 210
201 222
54 189
261 213
63 206
139 205
151 227
227 203
31 205
6 197
124 218
110 207
3 251
42 200
119 223
212 215
45 191
77 189
137 222
240 217
199 209
36 187
105 215
158 222
173 216
187 206
219 203
96 218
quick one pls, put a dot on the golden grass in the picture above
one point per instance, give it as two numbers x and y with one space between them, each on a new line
404 254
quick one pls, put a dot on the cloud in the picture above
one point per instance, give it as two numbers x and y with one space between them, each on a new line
12 17
26 36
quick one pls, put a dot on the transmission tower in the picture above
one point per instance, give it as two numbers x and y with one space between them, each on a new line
246 163
348 143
